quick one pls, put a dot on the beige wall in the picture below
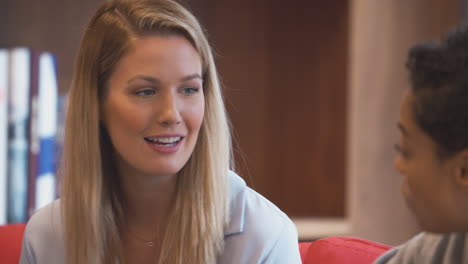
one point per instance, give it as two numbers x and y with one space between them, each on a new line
381 33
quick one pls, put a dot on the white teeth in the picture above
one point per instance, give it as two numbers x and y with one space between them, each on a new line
165 140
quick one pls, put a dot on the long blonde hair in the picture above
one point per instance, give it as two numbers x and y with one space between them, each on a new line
91 203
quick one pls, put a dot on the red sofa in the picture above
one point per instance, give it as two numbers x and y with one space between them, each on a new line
341 250
331 250
11 237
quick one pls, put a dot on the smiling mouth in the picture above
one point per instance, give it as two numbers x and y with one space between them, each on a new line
164 141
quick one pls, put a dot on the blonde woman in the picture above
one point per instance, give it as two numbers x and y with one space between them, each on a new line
145 171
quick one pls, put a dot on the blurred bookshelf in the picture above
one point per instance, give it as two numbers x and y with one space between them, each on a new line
31 128
38 43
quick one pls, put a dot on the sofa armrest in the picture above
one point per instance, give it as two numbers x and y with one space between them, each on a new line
11 237
341 250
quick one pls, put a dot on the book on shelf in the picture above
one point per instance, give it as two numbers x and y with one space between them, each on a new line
33 152
47 130
18 121
30 133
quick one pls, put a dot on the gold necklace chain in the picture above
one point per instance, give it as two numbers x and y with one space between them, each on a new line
149 243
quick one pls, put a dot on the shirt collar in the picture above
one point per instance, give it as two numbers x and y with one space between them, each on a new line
237 188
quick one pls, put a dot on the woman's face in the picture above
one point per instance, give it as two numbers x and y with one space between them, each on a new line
154 105
428 185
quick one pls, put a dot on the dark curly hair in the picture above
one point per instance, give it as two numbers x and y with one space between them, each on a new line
439 83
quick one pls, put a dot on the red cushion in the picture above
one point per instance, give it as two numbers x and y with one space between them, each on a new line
11 237
342 250
304 248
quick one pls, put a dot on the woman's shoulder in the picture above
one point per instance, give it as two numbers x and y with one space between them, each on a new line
429 247
246 203
45 222
245 200
258 229
43 236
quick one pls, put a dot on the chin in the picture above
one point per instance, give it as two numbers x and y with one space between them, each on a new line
158 170
166 167
435 229
436 224
427 227
163 172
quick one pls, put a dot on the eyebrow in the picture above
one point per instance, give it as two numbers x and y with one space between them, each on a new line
402 129
156 80
191 77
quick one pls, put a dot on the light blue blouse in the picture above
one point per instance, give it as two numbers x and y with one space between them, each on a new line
258 232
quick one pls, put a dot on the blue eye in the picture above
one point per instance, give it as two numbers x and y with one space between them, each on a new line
145 92
190 91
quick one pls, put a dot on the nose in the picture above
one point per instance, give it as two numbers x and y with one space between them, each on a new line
168 110
398 164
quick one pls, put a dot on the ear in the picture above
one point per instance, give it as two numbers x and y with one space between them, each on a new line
461 172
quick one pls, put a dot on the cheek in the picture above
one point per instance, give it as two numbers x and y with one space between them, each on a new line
421 195
412 188
196 114
121 119
412 183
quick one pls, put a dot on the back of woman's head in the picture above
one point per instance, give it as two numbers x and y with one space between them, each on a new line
439 80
